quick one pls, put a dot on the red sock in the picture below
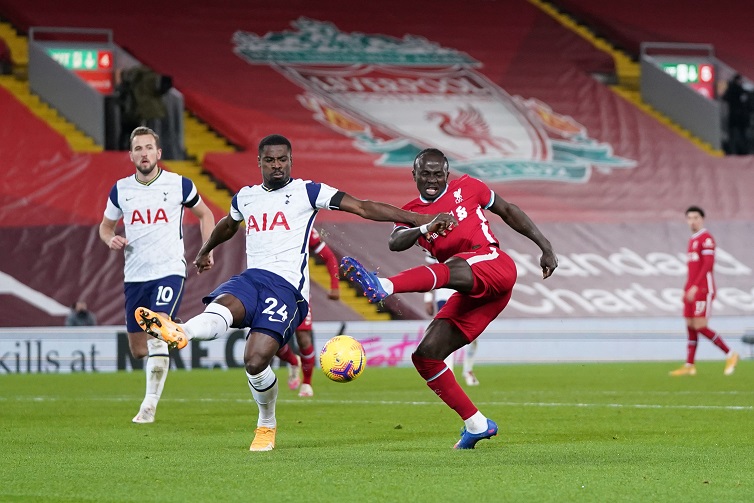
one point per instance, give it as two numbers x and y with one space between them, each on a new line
285 354
691 346
421 279
444 384
715 338
307 363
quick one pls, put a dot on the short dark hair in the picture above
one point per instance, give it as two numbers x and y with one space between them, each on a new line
696 209
141 131
426 151
274 139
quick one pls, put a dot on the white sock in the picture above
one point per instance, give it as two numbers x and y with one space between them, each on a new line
212 323
387 285
156 367
264 389
468 357
476 423
449 362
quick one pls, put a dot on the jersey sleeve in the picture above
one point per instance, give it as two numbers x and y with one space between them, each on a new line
112 208
485 195
190 195
234 212
322 196
708 246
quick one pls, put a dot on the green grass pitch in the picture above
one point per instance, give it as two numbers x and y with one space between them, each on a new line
568 432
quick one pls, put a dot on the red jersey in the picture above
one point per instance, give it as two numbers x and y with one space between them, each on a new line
465 198
701 259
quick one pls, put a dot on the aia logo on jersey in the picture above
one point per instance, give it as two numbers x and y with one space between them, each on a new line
267 223
137 217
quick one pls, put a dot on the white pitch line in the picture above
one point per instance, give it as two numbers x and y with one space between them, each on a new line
397 402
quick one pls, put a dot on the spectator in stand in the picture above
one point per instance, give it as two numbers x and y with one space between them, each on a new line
80 316
739 116
6 62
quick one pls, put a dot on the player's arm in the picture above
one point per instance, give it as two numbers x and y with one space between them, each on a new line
383 212
225 229
520 222
206 225
108 236
404 238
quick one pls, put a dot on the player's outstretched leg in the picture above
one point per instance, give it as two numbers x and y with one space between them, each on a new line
161 327
368 281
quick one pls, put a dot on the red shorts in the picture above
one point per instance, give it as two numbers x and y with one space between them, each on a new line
307 323
494 276
700 307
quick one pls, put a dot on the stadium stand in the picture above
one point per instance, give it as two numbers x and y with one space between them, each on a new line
666 21
607 177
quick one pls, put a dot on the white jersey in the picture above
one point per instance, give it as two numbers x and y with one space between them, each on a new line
153 216
278 225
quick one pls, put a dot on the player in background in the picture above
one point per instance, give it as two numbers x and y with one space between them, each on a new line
151 204
271 296
433 302
699 292
304 338
470 262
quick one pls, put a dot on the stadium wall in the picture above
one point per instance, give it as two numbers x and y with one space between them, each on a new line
105 349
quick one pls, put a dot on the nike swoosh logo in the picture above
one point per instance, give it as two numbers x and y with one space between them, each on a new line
129 198
158 303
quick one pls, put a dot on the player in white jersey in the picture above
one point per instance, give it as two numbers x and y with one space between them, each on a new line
271 296
151 204
433 302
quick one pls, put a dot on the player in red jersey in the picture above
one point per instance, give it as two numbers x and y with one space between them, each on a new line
470 262
699 293
306 362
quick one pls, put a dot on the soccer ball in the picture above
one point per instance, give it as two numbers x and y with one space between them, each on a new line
343 359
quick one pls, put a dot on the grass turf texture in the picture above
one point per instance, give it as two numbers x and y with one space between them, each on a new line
571 432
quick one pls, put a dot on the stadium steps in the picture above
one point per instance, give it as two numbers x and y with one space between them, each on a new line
200 139
628 73
77 139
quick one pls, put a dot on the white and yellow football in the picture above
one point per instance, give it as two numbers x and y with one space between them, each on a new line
343 359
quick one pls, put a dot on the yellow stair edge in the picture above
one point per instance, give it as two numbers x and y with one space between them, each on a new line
77 140
628 72
635 98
